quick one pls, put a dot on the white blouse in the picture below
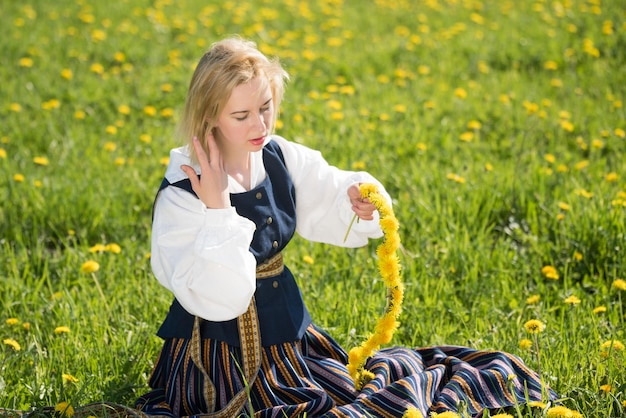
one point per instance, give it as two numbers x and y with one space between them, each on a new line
202 255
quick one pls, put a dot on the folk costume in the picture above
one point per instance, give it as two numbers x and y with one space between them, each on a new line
238 338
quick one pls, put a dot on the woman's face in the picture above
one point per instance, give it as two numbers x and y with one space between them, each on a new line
246 119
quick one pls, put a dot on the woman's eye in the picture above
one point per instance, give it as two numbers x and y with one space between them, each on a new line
265 109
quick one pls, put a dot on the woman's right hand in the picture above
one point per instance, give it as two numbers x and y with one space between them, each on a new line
212 186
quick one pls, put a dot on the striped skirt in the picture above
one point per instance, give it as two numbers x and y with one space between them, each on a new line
309 379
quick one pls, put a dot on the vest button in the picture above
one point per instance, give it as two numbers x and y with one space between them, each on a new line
259 195
269 220
275 244
275 284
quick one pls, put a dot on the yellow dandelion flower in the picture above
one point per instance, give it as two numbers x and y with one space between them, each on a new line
41 160
308 259
581 165
537 404
474 125
12 343
488 167
599 309
578 256
113 248
119 57
15 107
358 165
25 62
551 65
19 177
556 82
68 378
26 326
614 345
167 88
90 266
110 146
3 153
65 409
584 193
533 300
145 138
550 272
460 92
124 109
119 161
12 321
167 112
606 388
98 248
620 132
502 416
564 206
534 326
62 330
67 74
429 104
111 129
164 161
572 300
400 108
447 414
466 136
619 284
525 344
455 177
559 412
549 158
150 110
79 114
567 125
612 177
412 413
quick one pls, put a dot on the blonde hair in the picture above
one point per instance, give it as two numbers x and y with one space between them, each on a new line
227 64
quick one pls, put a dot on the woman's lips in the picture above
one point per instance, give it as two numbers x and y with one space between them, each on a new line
257 141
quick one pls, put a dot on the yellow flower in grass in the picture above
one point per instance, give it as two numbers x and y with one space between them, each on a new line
62 330
502 416
447 414
65 409
559 412
41 160
389 268
113 248
606 388
572 300
12 321
550 272
610 345
68 378
600 309
619 284
525 344
533 300
534 326
412 413
90 266
12 343
308 259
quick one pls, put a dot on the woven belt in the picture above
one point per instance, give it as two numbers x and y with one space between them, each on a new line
250 340
273 266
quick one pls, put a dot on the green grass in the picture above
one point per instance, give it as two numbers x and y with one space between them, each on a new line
388 86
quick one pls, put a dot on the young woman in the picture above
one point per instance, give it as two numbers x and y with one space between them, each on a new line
238 338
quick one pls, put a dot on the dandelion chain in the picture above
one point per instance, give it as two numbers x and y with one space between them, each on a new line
389 269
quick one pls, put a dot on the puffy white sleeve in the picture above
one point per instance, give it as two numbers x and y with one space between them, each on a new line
202 255
323 207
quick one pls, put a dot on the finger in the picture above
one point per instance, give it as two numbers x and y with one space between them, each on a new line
193 177
200 153
214 152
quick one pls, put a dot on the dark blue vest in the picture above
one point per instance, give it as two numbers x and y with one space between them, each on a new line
281 311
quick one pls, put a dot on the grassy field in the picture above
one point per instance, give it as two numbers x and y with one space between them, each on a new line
498 127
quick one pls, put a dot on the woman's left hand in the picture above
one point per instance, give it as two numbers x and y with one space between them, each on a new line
363 208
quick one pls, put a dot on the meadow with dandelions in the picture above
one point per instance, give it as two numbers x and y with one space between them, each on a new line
498 127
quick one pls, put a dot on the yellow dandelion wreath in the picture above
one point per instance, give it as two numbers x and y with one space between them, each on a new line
389 269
